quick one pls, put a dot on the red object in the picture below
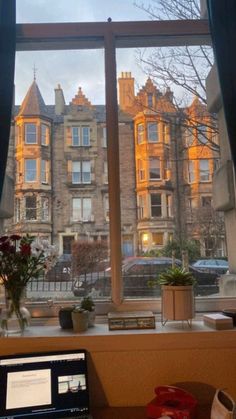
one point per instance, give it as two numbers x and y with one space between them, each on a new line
173 402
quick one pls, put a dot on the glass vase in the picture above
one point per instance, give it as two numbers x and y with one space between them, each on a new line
15 318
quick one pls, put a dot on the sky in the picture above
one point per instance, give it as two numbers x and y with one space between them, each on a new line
72 69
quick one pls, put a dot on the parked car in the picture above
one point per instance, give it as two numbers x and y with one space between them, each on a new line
137 274
219 266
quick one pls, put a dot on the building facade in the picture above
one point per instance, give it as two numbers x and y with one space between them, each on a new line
58 160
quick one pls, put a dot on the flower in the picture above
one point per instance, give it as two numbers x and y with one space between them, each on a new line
23 259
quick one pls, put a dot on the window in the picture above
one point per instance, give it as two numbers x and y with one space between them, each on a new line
45 208
44 134
81 209
81 172
152 132
141 206
30 170
104 137
154 168
206 201
188 136
141 170
156 210
204 170
202 134
75 136
85 136
167 170
106 207
165 134
150 100
67 244
191 174
140 133
158 239
44 174
30 134
80 136
30 208
17 210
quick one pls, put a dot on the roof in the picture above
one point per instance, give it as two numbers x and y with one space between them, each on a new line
33 103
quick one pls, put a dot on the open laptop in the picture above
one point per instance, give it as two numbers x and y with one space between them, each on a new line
44 385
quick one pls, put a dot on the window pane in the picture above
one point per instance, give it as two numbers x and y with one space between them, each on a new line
152 132
30 208
75 136
86 172
76 172
30 170
154 168
140 134
204 170
44 134
30 134
76 209
85 136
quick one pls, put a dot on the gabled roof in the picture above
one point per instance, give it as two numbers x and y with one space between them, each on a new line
33 103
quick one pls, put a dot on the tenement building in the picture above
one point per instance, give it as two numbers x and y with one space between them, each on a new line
58 160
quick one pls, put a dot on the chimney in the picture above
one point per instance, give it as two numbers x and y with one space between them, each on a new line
126 90
59 100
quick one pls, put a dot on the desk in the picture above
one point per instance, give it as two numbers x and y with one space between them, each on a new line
136 413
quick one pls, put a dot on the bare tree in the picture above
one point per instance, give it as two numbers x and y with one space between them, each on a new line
181 69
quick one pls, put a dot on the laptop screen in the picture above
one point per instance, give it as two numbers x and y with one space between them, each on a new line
48 385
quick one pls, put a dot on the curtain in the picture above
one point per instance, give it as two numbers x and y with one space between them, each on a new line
222 18
7 67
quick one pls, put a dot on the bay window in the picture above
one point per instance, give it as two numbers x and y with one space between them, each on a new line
191 173
44 171
31 208
154 168
152 132
44 208
141 170
156 207
140 133
44 134
204 170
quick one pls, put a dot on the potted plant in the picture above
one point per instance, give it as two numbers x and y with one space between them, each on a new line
87 303
177 294
65 317
80 319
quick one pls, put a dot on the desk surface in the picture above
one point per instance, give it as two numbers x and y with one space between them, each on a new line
136 413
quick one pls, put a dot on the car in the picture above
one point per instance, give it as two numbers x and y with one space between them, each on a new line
138 272
219 266
61 271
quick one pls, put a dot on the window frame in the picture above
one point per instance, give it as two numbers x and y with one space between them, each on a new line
204 172
30 208
26 126
150 132
30 170
80 208
112 35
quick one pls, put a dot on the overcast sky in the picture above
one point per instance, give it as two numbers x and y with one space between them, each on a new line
72 69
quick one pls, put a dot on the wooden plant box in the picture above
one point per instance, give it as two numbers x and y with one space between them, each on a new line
131 320
218 321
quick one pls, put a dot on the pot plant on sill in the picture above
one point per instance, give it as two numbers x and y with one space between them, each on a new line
79 319
88 304
177 294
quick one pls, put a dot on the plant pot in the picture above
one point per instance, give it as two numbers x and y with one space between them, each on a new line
177 302
80 321
230 312
65 317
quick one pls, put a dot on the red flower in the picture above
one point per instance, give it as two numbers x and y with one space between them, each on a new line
25 249
3 239
15 237
5 247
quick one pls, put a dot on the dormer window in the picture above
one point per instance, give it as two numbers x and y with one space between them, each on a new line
30 134
150 100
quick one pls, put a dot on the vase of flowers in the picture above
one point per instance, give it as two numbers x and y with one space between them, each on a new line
21 260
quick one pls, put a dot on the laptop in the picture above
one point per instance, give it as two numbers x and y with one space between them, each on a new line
44 385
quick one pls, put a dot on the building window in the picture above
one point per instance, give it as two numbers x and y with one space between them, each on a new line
30 170
67 244
45 208
191 175
165 134
104 137
167 170
81 172
106 208
86 136
75 136
202 134
169 205
81 209
150 100
141 170
156 210
154 168
140 133
44 172
204 170
30 134
30 208
141 206
152 132
17 210
188 137
206 201
44 134
157 239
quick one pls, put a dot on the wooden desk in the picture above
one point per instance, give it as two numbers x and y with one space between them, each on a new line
136 413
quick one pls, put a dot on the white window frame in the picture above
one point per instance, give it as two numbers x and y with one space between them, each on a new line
44 171
44 134
81 174
79 213
159 205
